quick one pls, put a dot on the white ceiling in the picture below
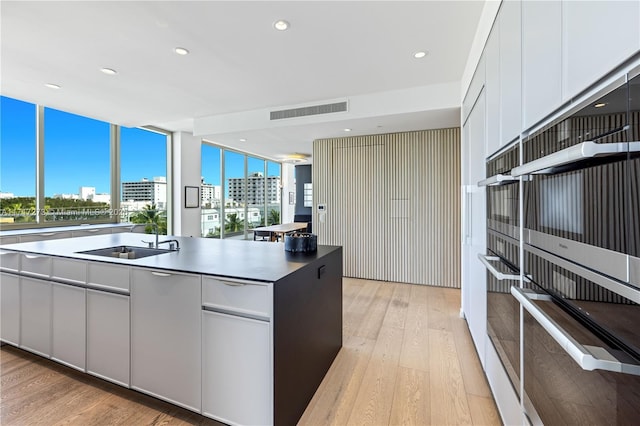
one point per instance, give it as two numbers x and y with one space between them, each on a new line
240 67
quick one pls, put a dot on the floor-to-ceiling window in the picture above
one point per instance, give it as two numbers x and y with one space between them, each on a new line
233 193
211 191
59 168
273 189
239 192
143 172
77 168
17 162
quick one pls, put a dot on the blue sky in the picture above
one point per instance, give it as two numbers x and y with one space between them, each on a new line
77 153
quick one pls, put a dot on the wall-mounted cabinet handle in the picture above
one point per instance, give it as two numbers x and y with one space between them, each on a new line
497 180
587 357
574 153
160 274
486 261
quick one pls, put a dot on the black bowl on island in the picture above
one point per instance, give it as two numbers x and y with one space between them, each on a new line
300 242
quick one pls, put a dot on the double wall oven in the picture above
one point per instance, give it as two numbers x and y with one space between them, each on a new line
579 273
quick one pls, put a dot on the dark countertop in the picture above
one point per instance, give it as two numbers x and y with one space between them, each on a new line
252 260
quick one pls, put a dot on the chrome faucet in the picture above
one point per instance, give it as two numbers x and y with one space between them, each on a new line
155 227
173 244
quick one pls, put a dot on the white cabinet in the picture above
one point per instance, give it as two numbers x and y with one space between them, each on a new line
35 265
165 336
104 276
26 238
474 218
10 308
9 261
9 239
68 325
69 271
35 315
541 59
108 336
90 231
510 72
596 37
492 93
237 383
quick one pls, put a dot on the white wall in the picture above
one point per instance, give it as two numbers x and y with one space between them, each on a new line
186 172
288 182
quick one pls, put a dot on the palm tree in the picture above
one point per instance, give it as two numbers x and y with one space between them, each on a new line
233 223
151 214
274 217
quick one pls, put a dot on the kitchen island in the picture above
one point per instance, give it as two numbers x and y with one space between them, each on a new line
239 331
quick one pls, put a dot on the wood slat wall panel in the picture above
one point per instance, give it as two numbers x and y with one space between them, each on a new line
392 203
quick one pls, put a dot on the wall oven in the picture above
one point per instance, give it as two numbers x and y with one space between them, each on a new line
578 199
502 260
581 348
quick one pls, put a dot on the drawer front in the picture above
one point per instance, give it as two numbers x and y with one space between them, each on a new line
246 297
8 240
67 270
35 265
27 238
105 276
9 261
89 232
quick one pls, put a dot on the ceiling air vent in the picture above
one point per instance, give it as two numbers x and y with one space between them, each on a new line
309 110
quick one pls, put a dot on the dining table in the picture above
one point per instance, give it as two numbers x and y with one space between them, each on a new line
279 230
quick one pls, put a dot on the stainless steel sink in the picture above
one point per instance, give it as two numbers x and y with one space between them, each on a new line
126 252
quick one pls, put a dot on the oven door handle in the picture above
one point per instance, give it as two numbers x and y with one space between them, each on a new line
497 180
587 357
486 261
574 153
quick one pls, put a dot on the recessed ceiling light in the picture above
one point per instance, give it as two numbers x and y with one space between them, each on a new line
109 71
281 25
600 105
419 55
52 86
243 140
181 51
347 130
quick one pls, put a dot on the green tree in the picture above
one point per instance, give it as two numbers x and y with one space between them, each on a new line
151 214
233 223
273 217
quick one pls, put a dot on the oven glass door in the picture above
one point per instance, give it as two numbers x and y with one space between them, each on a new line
503 212
605 306
633 209
578 209
503 313
561 391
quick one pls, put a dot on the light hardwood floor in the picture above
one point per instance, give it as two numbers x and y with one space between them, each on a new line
407 359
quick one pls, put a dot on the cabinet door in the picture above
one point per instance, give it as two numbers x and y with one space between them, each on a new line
473 272
10 308
510 72
237 369
492 93
35 315
596 36
68 325
108 336
541 59
165 336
